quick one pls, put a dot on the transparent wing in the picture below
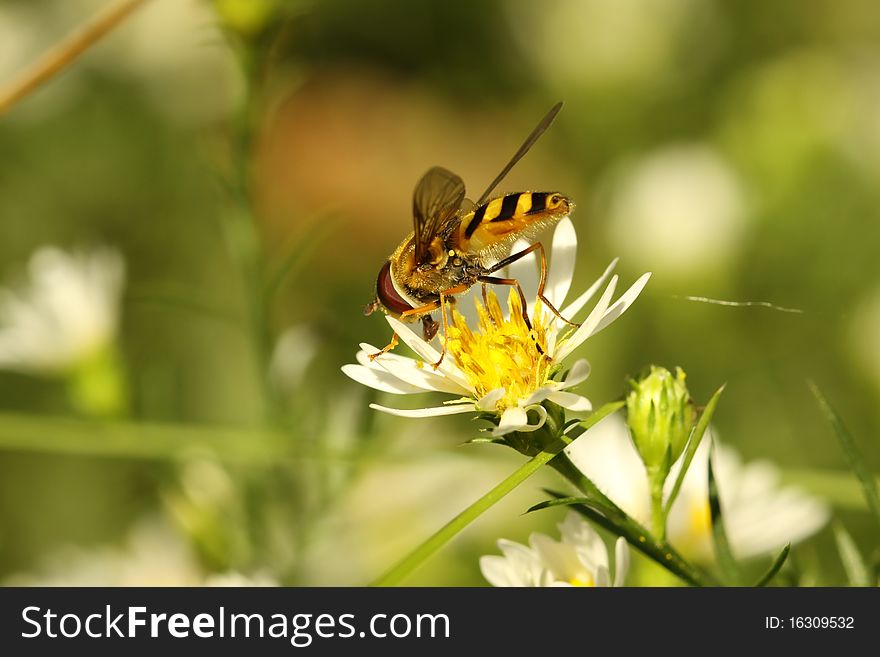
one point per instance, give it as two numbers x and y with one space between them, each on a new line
527 144
436 202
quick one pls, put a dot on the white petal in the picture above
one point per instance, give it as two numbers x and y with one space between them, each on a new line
603 578
517 419
498 571
562 261
525 270
560 558
433 411
520 566
586 329
363 357
578 533
512 419
606 455
538 395
578 373
542 417
414 342
624 302
621 561
574 307
427 352
412 372
552 333
488 401
570 401
379 380
585 541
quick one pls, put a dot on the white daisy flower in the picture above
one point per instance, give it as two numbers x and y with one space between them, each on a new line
579 559
152 554
65 314
497 368
760 517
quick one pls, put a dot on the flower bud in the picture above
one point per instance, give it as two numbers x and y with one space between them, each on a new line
660 416
247 18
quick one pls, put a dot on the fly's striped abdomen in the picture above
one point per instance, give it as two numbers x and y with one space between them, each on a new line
507 207
518 205
498 223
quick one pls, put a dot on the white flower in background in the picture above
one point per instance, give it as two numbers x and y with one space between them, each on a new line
65 313
153 554
760 517
497 368
599 43
579 559
680 208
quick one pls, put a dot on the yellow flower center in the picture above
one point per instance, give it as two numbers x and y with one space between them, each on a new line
582 580
501 353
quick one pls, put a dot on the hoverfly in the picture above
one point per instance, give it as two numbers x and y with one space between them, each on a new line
456 243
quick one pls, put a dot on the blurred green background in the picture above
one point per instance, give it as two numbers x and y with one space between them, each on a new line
253 162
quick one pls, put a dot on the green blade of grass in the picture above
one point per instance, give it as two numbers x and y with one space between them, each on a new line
856 570
851 452
720 542
440 538
433 543
775 567
694 441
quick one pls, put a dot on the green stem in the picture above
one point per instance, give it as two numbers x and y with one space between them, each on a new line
242 230
658 516
551 454
570 471
653 546
466 517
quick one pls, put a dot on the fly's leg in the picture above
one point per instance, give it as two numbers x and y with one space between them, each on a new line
537 246
458 289
412 312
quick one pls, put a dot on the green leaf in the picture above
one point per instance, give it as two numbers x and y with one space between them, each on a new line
620 524
851 452
145 440
694 441
774 567
857 571
723 553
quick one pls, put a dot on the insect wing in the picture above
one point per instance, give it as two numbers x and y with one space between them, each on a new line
436 202
527 144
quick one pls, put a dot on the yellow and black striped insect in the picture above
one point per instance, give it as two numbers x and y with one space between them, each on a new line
456 243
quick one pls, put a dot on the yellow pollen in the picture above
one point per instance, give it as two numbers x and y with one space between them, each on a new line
582 580
501 353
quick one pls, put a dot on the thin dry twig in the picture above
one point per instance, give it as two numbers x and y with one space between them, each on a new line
63 53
